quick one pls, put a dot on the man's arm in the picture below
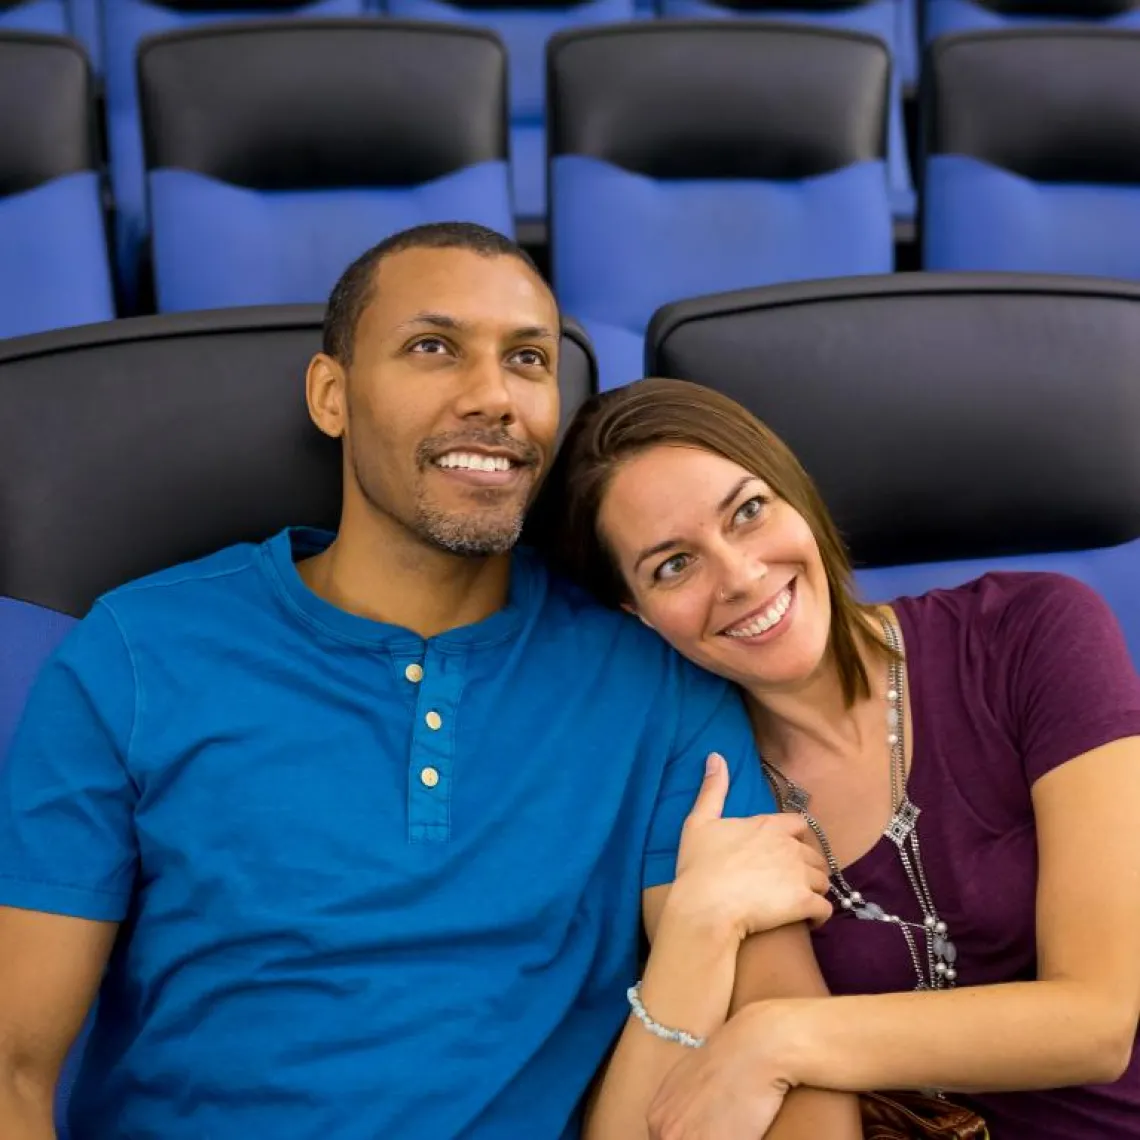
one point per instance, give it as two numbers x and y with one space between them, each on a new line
50 969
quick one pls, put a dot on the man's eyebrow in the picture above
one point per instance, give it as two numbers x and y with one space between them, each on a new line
434 320
534 332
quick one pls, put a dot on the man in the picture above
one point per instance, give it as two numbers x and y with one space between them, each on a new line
349 833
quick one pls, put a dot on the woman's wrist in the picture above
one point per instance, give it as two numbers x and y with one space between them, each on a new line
777 1028
697 910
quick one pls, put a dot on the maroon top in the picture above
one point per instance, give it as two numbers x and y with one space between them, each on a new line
1010 676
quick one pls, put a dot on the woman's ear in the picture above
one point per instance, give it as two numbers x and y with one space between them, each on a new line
629 609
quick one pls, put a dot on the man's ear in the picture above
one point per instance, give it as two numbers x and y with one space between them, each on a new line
325 394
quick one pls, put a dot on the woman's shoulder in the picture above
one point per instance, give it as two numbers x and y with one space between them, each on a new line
1003 604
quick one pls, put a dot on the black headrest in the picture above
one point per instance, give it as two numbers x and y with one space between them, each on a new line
942 415
303 104
138 444
718 99
1051 104
1078 9
47 116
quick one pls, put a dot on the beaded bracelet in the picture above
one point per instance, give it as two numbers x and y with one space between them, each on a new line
678 1036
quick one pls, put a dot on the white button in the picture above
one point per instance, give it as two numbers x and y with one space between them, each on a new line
414 673
429 777
434 720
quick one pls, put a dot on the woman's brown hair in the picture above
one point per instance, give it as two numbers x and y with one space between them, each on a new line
615 426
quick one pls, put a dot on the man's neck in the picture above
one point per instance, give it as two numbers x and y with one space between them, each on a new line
383 573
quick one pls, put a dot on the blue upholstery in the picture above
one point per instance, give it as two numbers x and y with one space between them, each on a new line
47 16
944 17
1112 571
525 32
86 26
625 244
880 18
54 270
980 217
125 23
217 246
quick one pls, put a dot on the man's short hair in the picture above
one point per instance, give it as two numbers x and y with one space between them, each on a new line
353 293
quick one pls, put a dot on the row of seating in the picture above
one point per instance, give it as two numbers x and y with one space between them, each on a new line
113 29
685 159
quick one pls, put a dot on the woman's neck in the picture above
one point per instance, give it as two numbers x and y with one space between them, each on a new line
814 717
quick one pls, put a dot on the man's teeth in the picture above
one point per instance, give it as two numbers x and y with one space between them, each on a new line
764 622
471 462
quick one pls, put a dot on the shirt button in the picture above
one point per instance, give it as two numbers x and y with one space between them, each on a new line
434 720
414 673
429 777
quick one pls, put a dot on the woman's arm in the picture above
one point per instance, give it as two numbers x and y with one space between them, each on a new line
698 968
1076 1024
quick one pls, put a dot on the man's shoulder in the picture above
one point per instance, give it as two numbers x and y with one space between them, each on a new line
185 593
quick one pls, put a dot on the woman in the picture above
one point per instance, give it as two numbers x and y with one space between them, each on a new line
968 762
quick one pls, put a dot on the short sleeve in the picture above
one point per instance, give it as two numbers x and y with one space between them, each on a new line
1073 683
712 719
67 841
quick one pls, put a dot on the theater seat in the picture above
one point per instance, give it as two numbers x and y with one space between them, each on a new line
54 267
125 24
135 445
279 151
1034 164
525 26
954 423
888 20
945 17
691 157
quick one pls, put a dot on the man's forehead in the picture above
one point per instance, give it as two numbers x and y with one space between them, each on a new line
469 288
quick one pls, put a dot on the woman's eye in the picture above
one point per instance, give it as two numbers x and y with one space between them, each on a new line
750 511
671 567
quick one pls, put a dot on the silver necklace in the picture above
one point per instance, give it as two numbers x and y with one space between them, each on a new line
934 957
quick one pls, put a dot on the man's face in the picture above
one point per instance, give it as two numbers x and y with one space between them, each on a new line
452 396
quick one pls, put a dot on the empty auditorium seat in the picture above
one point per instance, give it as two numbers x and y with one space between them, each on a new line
954 423
54 267
886 19
1033 159
944 17
125 24
525 27
279 151
691 157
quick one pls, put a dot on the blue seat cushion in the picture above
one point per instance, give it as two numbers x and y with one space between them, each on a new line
217 245
1112 571
54 268
47 16
625 244
979 217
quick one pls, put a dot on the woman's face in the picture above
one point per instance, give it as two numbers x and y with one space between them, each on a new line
727 573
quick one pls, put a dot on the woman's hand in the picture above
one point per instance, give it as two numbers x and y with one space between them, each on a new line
731 1089
754 874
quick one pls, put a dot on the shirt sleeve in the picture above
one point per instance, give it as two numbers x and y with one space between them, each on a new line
712 719
1073 684
67 839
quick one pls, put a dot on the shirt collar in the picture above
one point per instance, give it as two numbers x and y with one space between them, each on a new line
281 553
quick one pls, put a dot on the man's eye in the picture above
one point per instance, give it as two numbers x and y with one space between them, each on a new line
530 358
430 345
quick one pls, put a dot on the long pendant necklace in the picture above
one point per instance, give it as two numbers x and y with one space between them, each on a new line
932 952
